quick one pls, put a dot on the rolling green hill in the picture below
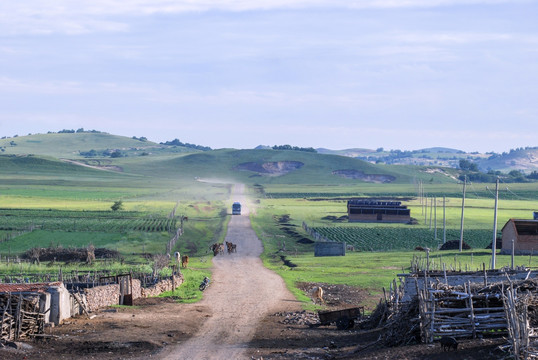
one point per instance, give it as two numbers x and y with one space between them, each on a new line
280 167
57 157
70 145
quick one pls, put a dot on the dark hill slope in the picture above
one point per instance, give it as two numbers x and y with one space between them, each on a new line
19 170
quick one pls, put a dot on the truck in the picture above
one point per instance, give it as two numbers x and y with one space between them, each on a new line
236 208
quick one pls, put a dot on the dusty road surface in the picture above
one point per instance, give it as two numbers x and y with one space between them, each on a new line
241 293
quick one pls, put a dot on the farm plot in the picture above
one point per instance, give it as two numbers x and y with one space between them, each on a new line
105 221
400 238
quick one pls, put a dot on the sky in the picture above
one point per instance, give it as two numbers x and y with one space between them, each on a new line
336 74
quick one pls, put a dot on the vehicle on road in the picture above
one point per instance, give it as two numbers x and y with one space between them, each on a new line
236 208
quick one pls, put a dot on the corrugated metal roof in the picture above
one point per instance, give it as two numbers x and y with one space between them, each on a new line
35 287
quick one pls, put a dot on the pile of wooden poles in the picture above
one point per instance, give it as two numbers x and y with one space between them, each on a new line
460 311
521 304
398 321
20 316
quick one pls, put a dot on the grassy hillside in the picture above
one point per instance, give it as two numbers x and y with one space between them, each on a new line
69 145
248 166
20 169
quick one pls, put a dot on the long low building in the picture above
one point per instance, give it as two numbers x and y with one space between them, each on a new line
372 210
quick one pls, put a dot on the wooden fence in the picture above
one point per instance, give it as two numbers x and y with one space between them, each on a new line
520 308
459 312
20 316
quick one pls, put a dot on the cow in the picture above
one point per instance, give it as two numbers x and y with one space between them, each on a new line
350 248
231 247
448 342
317 293
217 248
177 257
184 261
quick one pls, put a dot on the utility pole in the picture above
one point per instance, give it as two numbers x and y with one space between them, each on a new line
422 196
462 212
444 219
494 243
431 209
426 210
435 216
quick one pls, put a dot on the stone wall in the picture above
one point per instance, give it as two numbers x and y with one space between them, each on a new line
106 295
161 286
101 296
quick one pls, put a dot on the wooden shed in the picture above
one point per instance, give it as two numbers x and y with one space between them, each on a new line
525 236
372 210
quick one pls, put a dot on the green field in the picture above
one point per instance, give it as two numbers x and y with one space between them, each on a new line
46 201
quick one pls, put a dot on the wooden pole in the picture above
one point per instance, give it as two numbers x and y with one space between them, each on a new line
513 250
425 210
444 219
435 217
462 212
431 209
494 243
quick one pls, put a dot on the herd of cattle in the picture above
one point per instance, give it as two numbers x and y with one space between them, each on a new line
218 248
183 260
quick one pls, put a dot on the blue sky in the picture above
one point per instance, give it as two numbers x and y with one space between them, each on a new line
405 74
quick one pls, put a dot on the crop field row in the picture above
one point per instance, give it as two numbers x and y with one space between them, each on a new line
388 239
300 195
36 213
76 221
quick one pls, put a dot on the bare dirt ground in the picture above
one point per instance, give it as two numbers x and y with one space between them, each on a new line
246 313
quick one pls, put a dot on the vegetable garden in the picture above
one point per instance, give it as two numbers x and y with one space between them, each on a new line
400 238
104 221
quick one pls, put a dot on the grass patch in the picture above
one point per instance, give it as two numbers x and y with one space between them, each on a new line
188 292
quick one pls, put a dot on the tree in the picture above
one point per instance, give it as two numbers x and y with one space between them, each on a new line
118 205
468 165
533 175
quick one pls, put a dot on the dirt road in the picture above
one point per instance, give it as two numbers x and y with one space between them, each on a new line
241 293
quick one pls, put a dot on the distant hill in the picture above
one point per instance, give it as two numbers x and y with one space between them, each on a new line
65 154
346 152
80 145
441 150
266 166
142 158
525 160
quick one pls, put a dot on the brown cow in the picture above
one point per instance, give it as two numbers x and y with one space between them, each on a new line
184 261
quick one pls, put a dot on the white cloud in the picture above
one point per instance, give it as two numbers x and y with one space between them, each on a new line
12 85
79 17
